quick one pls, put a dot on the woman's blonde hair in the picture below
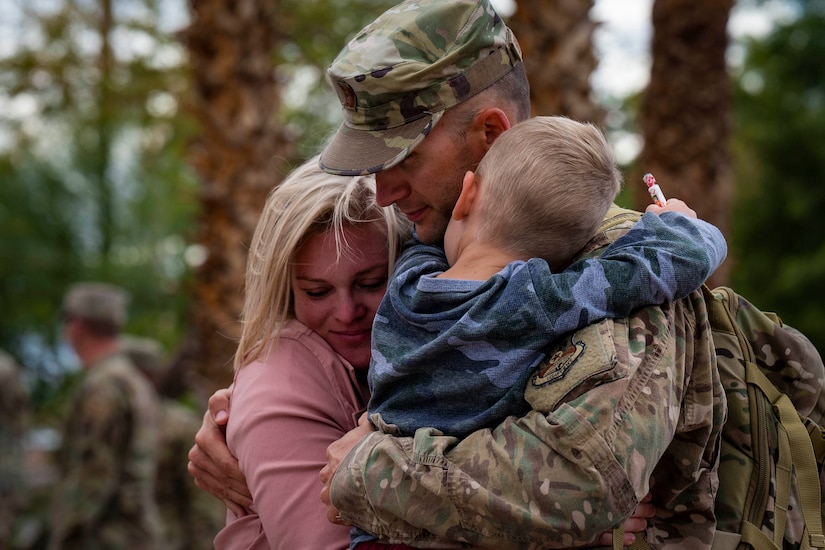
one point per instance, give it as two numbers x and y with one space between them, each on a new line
307 203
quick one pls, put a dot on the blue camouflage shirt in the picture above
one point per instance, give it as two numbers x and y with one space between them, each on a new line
455 355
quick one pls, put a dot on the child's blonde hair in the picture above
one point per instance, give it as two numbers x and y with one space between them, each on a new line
307 203
546 186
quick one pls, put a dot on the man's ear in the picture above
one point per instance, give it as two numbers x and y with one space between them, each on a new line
468 197
489 124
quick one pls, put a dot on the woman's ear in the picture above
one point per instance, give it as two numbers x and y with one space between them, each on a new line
468 197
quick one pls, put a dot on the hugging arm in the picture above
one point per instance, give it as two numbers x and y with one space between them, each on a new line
661 259
283 419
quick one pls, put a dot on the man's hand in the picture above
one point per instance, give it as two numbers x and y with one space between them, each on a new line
632 525
336 453
214 468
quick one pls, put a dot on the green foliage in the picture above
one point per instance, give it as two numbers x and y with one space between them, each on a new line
92 156
317 29
780 165
95 184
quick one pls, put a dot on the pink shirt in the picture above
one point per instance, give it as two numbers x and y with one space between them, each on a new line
285 411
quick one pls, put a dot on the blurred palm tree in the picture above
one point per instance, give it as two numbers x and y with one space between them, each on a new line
685 113
244 54
556 37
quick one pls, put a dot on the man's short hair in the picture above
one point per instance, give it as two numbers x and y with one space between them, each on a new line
400 73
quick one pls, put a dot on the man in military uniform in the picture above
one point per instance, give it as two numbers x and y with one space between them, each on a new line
190 516
108 458
622 409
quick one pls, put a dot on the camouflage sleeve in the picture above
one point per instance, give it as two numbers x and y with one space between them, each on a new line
621 408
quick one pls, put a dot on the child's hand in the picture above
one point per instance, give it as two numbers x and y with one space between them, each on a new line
672 205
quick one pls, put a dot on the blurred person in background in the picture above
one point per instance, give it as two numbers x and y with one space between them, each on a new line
108 458
190 517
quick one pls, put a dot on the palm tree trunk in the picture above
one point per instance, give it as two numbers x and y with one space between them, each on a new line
685 113
239 157
556 37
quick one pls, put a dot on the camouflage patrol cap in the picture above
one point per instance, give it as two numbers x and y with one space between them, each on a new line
400 73
98 302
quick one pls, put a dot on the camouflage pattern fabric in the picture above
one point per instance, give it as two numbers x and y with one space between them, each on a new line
396 77
621 408
191 517
99 302
457 358
14 417
107 462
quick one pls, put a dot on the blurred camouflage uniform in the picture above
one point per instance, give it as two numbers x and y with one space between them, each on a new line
190 516
107 462
14 419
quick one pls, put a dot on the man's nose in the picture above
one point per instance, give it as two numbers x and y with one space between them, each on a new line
390 187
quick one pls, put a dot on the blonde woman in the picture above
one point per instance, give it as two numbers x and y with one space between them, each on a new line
318 268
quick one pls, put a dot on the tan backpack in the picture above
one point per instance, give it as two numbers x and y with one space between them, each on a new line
771 477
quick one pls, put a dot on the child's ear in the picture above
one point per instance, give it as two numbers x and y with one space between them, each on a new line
468 197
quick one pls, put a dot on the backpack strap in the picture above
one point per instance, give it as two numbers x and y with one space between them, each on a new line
796 444
817 440
800 445
618 544
796 454
618 538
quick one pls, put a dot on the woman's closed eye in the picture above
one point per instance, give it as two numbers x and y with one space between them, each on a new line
319 292
373 284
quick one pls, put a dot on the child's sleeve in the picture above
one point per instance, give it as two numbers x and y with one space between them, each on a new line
660 259
667 256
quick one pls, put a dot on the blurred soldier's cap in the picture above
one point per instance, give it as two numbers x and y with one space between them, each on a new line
400 73
99 302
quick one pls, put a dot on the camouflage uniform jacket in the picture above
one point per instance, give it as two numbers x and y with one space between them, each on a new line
105 498
621 408
191 517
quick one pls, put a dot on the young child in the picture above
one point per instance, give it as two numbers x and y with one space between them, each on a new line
457 336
